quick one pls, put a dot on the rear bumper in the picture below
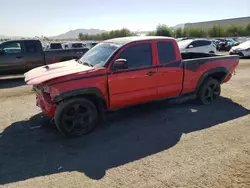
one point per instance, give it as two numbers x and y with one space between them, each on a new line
47 107
228 77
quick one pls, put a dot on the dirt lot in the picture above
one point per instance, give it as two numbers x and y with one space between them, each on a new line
161 144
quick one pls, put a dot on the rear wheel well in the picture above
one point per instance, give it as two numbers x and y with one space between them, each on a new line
219 76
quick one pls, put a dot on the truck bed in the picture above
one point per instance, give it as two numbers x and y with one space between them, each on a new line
195 55
197 65
52 56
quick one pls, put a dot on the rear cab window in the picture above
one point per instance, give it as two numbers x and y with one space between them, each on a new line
137 55
30 46
166 52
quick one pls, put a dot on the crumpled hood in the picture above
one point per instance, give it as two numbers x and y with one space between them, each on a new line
47 72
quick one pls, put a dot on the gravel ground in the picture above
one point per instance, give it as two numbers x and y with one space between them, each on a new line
160 144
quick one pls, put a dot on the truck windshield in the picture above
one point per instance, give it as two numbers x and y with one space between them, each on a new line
98 55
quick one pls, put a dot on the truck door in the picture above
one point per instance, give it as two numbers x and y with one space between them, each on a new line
170 73
138 82
12 58
34 54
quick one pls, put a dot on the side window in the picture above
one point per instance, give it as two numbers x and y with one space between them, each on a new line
166 52
138 55
30 46
196 43
201 43
11 47
206 43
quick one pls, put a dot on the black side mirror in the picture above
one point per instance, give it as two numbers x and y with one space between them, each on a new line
2 52
120 64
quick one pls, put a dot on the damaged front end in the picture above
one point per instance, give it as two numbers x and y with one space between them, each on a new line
43 100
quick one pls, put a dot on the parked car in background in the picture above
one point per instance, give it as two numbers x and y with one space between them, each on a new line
19 56
184 38
227 44
76 45
91 44
243 49
197 45
53 46
65 45
232 42
122 72
217 43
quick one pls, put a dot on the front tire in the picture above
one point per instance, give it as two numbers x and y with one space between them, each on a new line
76 117
209 91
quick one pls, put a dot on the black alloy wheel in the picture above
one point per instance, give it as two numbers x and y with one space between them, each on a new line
209 91
76 117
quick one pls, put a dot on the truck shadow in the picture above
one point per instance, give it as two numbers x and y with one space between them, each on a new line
11 83
130 134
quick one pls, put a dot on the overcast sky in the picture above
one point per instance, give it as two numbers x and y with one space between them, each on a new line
53 17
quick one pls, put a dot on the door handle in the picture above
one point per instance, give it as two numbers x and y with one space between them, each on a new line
19 57
151 73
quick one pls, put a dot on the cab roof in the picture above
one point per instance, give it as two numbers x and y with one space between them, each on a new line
126 40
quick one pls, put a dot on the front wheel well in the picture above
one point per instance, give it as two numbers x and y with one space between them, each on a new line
99 102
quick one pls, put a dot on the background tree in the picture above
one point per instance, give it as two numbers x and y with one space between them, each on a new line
247 29
232 31
196 32
151 33
163 30
216 31
106 35
178 33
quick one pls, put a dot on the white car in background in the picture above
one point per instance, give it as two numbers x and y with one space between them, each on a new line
197 45
243 49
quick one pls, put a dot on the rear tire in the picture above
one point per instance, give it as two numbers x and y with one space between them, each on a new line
76 117
209 91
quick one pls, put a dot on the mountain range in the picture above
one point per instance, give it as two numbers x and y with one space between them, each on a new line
72 34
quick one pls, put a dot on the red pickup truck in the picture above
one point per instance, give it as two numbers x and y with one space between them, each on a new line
122 72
